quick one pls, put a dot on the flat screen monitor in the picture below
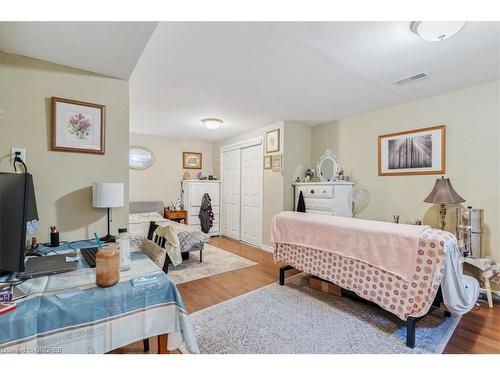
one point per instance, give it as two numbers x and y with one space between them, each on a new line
17 207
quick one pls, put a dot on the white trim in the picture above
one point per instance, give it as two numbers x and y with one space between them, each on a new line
243 144
267 248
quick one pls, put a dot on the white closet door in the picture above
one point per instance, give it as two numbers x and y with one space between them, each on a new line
251 195
231 162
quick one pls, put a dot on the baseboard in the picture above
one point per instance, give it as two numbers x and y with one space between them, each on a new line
267 248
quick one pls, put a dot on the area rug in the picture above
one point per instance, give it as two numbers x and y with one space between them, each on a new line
215 261
297 319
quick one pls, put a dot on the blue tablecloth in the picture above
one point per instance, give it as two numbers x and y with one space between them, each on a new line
68 313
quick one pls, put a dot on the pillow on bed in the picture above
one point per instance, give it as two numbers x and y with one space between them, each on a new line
155 252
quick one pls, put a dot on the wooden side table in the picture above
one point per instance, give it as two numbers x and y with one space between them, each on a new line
179 216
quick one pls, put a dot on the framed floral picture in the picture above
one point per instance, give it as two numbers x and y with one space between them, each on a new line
191 160
78 126
273 141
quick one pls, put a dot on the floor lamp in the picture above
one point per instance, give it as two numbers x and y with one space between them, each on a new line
107 195
442 194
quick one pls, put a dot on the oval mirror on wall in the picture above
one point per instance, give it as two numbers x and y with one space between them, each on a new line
140 157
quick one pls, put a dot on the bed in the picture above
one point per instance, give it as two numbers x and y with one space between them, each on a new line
143 214
429 275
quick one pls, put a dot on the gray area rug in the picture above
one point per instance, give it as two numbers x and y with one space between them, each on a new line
215 261
297 319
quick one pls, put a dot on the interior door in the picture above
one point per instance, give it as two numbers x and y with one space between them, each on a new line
231 199
251 195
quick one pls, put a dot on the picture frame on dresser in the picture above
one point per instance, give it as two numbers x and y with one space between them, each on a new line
413 152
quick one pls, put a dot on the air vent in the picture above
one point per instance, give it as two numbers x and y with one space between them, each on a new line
413 78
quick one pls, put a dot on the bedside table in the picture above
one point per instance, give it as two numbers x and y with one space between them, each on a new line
179 216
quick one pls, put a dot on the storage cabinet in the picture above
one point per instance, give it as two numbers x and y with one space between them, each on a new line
325 198
192 195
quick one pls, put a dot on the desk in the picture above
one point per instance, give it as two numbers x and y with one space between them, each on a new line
96 320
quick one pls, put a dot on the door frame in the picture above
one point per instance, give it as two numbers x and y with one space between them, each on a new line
257 141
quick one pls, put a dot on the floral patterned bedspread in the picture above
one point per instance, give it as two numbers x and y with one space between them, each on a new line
188 237
388 291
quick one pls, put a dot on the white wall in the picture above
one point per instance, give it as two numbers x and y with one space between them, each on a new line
297 158
162 181
63 180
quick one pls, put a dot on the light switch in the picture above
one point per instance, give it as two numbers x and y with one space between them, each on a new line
13 151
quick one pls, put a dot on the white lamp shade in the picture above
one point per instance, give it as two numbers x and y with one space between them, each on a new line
107 194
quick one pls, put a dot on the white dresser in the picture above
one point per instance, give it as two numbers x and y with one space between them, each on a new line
325 198
192 194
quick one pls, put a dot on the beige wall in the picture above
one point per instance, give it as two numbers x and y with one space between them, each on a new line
62 180
472 124
162 180
297 158
273 181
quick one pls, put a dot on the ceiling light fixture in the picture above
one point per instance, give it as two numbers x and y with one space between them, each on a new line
212 123
436 31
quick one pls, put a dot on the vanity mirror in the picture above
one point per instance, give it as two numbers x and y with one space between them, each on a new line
140 157
327 167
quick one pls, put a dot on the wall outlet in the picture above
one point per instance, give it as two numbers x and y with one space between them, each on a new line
13 151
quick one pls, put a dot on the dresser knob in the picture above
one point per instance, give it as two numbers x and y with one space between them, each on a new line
312 191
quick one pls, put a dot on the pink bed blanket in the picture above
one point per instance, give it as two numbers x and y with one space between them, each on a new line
388 246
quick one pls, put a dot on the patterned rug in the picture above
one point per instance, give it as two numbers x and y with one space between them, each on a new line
215 261
297 319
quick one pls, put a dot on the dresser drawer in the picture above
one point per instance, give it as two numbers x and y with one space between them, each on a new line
316 191
319 204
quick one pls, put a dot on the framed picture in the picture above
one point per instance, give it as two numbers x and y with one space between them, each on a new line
191 160
412 152
267 162
276 163
77 126
272 141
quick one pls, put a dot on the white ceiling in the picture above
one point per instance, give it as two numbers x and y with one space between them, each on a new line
109 48
253 74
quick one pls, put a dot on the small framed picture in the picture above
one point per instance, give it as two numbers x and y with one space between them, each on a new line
267 162
273 141
77 126
276 163
191 160
412 152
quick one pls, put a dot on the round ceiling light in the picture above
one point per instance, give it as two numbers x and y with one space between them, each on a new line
436 31
212 123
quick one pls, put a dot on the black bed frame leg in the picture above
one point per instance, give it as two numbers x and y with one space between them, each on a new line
145 343
201 255
410 332
282 273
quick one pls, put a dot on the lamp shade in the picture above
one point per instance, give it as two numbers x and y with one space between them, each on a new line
443 192
107 194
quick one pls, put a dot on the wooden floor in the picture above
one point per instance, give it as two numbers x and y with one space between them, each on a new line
477 332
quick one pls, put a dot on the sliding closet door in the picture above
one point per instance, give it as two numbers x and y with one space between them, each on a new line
251 194
231 162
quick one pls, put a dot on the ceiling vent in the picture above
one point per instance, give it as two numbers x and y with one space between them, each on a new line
413 78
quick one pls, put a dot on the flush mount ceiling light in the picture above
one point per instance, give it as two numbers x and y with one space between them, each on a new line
436 31
212 123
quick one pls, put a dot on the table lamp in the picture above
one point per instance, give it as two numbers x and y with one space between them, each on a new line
442 194
107 195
